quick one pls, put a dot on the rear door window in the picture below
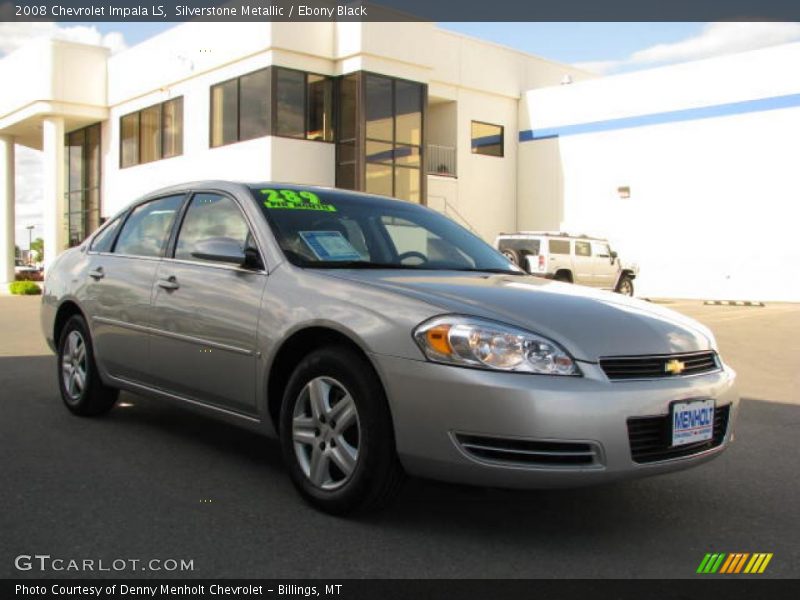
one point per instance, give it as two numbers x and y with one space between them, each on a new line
559 246
525 245
146 231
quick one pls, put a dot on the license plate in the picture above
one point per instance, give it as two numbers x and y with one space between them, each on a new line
692 422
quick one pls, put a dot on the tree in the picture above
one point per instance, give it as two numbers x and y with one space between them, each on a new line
17 251
37 246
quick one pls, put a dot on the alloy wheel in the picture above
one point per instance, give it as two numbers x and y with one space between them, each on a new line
74 366
326 433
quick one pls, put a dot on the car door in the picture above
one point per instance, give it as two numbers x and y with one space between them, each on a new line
558 256
205 313
582 263
605 269
122 267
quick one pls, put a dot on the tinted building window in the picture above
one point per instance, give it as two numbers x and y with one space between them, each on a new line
347 118
225 113
290 103
172 128
408 108
272 101
129 148
83 182
254 105
487 139
320 108
348 107
393 137
152 133
380 124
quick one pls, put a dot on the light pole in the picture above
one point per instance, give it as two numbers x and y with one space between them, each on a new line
30 241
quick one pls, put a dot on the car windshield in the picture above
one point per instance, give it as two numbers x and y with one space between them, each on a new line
336 229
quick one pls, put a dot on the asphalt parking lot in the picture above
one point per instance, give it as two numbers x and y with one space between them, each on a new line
153 481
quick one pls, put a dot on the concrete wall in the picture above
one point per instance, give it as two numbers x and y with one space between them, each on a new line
41 79
80 85
707 156
487 184
484 81
260 159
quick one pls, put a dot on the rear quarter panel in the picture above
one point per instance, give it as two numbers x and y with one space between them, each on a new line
61 284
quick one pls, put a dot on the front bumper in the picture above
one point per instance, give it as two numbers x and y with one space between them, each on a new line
433 406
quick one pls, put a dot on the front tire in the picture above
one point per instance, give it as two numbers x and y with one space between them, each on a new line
336 433
625 286
81 389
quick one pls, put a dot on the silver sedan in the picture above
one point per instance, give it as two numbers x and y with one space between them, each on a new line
377 338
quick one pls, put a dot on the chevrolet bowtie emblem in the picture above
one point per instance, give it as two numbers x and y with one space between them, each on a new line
674 367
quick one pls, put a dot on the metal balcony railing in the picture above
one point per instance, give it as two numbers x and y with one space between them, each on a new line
441 160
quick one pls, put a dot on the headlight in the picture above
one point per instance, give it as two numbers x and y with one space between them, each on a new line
473 342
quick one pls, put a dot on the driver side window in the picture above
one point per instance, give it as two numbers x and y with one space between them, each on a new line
210 217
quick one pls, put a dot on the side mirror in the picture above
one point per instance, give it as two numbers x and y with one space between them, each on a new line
224 250
252 258
613 254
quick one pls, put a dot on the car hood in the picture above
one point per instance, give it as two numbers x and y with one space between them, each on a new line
588 323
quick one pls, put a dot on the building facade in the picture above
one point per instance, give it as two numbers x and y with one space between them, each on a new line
401 109
689 169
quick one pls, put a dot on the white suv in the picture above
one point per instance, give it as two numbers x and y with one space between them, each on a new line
572 258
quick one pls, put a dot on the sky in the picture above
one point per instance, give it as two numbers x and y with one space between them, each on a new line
603 48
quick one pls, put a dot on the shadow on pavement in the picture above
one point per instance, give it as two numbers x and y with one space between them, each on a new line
168 457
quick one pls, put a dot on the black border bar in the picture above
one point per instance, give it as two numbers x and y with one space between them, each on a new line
398 10
701 587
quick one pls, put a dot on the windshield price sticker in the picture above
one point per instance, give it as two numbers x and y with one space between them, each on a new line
329 245
294 200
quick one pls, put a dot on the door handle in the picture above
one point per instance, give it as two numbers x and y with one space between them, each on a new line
97 274
170 283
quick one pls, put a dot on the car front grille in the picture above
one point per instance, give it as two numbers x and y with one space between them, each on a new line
651 437
658 366
529 453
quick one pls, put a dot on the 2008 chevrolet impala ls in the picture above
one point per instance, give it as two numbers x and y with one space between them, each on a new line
376 338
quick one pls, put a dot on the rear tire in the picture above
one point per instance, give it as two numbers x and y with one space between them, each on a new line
563 276
343 467
625 286
512 255
79 382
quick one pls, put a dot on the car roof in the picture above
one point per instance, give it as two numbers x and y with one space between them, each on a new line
234 187
551 234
